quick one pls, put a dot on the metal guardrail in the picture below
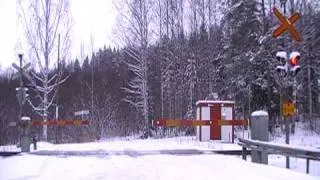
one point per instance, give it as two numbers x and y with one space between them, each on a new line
7 154
282 149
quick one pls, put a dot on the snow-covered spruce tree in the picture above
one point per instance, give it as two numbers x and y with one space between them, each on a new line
191 80
242 29
45 23
308 86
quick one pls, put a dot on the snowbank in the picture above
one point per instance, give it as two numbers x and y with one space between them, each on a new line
259 113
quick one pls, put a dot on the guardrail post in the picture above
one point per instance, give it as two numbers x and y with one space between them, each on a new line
244 153
34 142
308 163
259 131
258 148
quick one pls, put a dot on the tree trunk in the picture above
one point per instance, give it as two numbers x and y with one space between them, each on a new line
310 95
45 119
42 22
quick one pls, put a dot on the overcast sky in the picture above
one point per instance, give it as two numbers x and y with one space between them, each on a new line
96 17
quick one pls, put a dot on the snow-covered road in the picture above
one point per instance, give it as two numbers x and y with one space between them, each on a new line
132 166
141 167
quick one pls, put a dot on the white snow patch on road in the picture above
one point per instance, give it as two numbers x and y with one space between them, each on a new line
154 166
143 145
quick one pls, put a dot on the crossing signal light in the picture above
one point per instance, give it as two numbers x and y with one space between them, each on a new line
282 58
282 70
294 63
288 66
22 95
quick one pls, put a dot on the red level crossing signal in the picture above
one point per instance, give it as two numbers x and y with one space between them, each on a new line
294 63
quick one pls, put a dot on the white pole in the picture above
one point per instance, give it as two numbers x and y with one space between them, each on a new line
57 112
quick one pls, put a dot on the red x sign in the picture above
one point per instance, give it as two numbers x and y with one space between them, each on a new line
287 24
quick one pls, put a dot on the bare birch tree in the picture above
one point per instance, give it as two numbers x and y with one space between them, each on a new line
47 25
136 23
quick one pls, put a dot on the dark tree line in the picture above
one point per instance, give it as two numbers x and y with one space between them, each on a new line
233 56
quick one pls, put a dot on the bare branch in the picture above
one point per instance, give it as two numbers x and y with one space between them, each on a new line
44 21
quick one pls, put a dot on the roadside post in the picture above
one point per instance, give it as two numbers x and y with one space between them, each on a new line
259 131
25 125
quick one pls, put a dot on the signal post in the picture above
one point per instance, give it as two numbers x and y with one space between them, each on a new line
290 65
25 123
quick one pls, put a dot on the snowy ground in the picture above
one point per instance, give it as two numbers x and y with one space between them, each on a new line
139 159
9 148
301 138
